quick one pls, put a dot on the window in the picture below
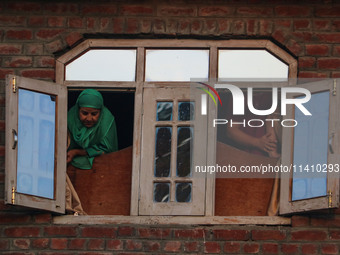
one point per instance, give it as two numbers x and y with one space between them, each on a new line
164 135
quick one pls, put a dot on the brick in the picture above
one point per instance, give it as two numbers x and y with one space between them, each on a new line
41 243
329 63
100 9
196 26
10 49
232 247
172 246
104 23
309 249
305 74
334 235
19 34
305 62
56 21
238 27
251 27
289 248
22 232
329 249
133 245
24 7
73 38
114 245
177 11
191 246
268 235
270 248
223 26
189 233
293 10
77 244
265 27
43 218
134 10
232 235
255 12
96 244
45 62
118 25
34 49
327 11
22 244
303 37
48 33
145 26
283 23
317 50
152 246
75 22
90 23
14 219
18 62
154 233
60 231
215 11
212 247
251 248
54 46
4 244
126 231
321 24
36 21
301 24
132 26
308 235
99 232
7 21
39 73
61 8
58 243
329 37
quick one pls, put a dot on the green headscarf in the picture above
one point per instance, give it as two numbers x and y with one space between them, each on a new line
96 140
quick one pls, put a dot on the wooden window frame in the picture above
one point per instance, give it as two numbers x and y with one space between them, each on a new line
57 204
331 200
141 45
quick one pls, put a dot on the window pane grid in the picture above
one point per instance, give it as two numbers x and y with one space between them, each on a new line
174 184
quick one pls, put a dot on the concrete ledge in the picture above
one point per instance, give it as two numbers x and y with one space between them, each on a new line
172 220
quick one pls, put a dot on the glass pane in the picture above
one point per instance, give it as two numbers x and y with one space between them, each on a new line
164 111
161 192
36 139
163 151
250 64
311 148
103 65
176 65
183 192
186 111
184 152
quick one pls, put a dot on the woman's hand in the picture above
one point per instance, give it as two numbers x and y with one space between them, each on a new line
73 153
267 143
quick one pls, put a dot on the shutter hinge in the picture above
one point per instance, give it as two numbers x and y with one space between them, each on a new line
13 195
329 199
14 84
334 88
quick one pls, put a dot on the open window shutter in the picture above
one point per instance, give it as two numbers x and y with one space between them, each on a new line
311 151
36 137
173 142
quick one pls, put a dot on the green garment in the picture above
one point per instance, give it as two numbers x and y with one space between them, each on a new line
96 140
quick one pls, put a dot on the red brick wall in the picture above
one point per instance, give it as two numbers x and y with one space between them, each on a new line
32 31
34 234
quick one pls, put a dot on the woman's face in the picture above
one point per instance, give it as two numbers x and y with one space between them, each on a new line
89 116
